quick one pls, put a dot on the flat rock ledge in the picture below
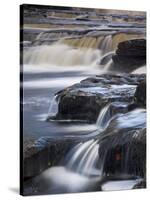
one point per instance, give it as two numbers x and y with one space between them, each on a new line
83 101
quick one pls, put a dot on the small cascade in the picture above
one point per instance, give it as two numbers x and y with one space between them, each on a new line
106 44
106 60
83 158
104 117
109 112
53 109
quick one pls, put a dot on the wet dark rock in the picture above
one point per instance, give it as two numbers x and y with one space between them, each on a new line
140 185
44 153
135 47
124 151
140 94
83 101
130 55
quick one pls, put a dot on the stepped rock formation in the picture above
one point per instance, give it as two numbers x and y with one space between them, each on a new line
83 101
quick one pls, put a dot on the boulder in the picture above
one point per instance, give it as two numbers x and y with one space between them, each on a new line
136 47
130 55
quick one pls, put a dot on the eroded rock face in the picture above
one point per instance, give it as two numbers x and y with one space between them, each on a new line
130 55
84 101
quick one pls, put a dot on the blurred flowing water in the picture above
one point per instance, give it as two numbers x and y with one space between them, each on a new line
48 69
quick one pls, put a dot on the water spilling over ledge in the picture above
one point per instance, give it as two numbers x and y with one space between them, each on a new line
84 101
63 55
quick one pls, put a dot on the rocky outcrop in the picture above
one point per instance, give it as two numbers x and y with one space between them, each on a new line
130 55
44 153
84 101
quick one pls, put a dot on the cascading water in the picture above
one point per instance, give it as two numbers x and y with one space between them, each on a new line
109 112
83 158
106 60
104 117
119 143
56 58
90 163
60 55
53 109
106 44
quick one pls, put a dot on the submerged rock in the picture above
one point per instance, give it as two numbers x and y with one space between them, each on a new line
130 55
84 101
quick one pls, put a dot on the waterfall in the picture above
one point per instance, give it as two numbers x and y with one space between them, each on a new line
83 158
104 117
60 55
106 60
82 38
86 50
53 108
109 112
106 44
